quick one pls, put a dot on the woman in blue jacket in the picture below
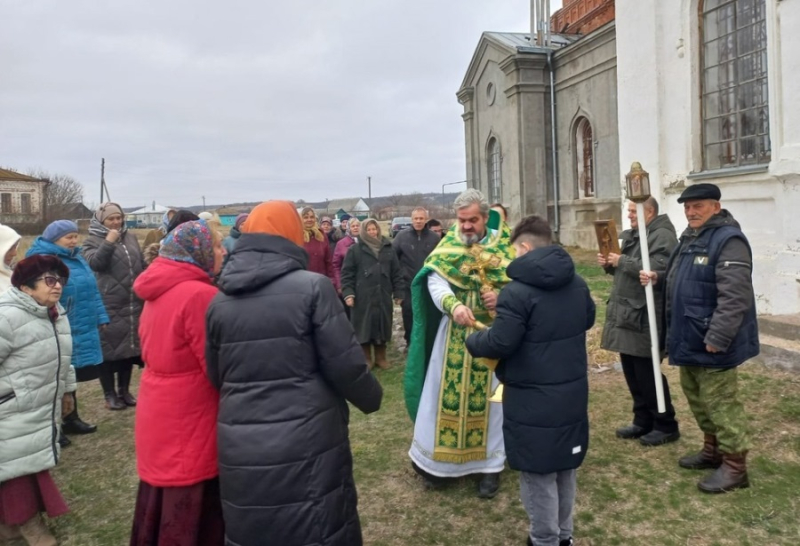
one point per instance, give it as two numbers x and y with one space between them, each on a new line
84 305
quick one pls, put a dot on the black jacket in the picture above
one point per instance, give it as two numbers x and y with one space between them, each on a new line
412 248
284 357
372 281
539 336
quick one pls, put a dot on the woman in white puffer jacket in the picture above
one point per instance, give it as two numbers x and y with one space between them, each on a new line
36 379
9 240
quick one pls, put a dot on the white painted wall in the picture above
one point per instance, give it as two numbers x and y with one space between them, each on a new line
659 125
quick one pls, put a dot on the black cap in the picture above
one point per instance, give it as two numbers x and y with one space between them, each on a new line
700 191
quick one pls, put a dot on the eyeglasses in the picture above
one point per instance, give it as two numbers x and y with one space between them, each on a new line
51 281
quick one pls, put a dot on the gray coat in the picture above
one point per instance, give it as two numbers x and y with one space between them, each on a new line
116 266
372 281
627 329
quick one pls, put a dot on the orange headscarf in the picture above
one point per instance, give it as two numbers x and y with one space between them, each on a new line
275 218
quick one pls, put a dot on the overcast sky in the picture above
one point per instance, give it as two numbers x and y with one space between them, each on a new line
241 100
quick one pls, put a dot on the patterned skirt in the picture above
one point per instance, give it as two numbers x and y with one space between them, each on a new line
24 497
189 516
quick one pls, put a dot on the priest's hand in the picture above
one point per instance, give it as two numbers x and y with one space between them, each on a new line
613 259
463 315
601 260
645 277
489 300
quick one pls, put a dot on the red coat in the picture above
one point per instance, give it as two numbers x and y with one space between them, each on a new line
319 257
176 417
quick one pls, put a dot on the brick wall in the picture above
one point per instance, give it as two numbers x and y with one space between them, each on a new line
582 16
12 192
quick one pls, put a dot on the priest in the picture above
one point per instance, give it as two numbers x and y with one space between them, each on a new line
457 431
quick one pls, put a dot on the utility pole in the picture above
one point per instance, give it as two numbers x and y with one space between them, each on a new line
204 202
369 187
102 178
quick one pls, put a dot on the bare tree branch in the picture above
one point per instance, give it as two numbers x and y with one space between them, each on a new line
61 194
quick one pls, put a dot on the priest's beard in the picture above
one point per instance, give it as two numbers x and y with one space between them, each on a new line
470 239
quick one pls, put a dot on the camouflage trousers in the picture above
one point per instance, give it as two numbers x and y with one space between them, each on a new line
712 394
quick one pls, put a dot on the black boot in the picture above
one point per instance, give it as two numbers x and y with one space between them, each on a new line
73 424
63 441
731 475
489 486
124 382
430 481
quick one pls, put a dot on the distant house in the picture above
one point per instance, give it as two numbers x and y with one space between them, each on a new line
22 199
227 215
149 216
73 211
354 206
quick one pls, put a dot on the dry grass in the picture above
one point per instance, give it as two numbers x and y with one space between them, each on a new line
627 494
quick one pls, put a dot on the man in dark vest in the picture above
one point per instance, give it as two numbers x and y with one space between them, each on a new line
711 330
627 330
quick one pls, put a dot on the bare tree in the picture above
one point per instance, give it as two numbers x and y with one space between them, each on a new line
61 195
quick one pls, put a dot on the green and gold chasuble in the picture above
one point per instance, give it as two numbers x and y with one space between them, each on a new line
463 409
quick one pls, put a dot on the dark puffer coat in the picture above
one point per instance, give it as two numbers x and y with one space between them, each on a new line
373 281
284 357
627 329
539 336
116 266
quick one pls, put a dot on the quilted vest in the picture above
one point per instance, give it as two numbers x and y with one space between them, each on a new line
694 300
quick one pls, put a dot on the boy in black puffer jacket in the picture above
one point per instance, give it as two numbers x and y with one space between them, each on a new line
539 336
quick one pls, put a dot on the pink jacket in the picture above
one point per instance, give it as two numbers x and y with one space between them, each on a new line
338 259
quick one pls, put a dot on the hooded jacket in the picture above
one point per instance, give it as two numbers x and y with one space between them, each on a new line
627 329
539 336
285 359
8 238
35 372
176 417
116 266
82 301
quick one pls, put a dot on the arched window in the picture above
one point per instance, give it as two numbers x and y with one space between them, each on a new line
734 83
495 176
584 157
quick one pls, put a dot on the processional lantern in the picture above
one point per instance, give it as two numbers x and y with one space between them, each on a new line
637 183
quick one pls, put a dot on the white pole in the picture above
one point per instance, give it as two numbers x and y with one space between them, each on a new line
651 309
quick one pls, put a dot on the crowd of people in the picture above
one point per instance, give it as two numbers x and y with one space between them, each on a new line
241 427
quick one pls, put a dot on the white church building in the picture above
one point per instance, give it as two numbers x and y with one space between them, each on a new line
694 90
709 91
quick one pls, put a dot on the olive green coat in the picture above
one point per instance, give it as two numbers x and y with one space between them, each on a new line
627 329
373 281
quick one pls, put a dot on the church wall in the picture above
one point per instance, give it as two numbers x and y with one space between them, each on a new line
658 73
494 117
586 87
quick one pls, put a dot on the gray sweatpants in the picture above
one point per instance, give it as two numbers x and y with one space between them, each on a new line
548 499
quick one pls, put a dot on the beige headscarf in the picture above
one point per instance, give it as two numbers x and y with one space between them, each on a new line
373 243
313 231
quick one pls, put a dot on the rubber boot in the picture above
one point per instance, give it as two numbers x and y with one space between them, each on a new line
36 532
124 382
731 475
73 424
708 457
367 348
380 357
